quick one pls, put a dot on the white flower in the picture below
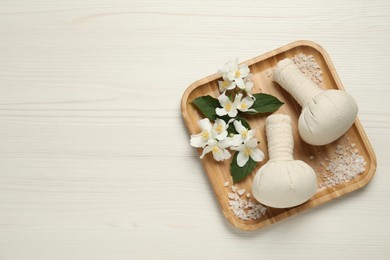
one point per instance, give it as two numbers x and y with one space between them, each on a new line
248 149
219 130
228 107
218 149
243 133
226 85
248 85
201 139
245 104
232 72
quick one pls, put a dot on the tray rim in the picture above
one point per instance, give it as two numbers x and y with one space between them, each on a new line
311 204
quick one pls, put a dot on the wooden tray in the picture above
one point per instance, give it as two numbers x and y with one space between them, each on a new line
219 173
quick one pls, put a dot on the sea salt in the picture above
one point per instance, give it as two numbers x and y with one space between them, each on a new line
231 196
345 166
244 208
226 183
240 192
309 67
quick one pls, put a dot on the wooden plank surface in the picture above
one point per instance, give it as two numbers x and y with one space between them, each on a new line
94 155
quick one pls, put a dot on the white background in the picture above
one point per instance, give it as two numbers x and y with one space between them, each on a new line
94 155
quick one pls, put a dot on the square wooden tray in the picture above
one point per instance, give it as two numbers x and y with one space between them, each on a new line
219 172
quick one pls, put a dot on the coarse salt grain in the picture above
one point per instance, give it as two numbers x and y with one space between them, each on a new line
240 192
245 209
346 166
309 67
231 196
226 183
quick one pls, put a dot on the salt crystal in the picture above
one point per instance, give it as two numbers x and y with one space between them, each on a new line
311 157
344 167
309 67
248 195
240 192
231 196
234 188
226 183
245 209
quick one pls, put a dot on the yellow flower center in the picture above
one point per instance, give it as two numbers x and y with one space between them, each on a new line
228 106
215 149
244 134
219 129
225 84
205 135
247 151
238 74
244 105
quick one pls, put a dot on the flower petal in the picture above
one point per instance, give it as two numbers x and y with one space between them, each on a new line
223 99
239 83
238 148
233 112
222 136
257 155
226 154
231 86
206 150
230 75
197 141
225 143
239 127
220 111
250 134
205 124
237 99
252 143
248 101
217 153
220 122
237 140
242 159
212 142
248 86
225 78
244 70
221 86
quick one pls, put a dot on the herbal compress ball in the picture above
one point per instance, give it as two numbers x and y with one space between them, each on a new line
283 182
326 114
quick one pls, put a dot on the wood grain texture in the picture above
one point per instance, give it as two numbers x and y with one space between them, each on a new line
94 155
261 67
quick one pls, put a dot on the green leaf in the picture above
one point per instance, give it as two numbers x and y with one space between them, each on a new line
232 130
265 103
207 106
239 173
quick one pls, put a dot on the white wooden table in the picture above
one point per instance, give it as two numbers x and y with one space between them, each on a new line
94 156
